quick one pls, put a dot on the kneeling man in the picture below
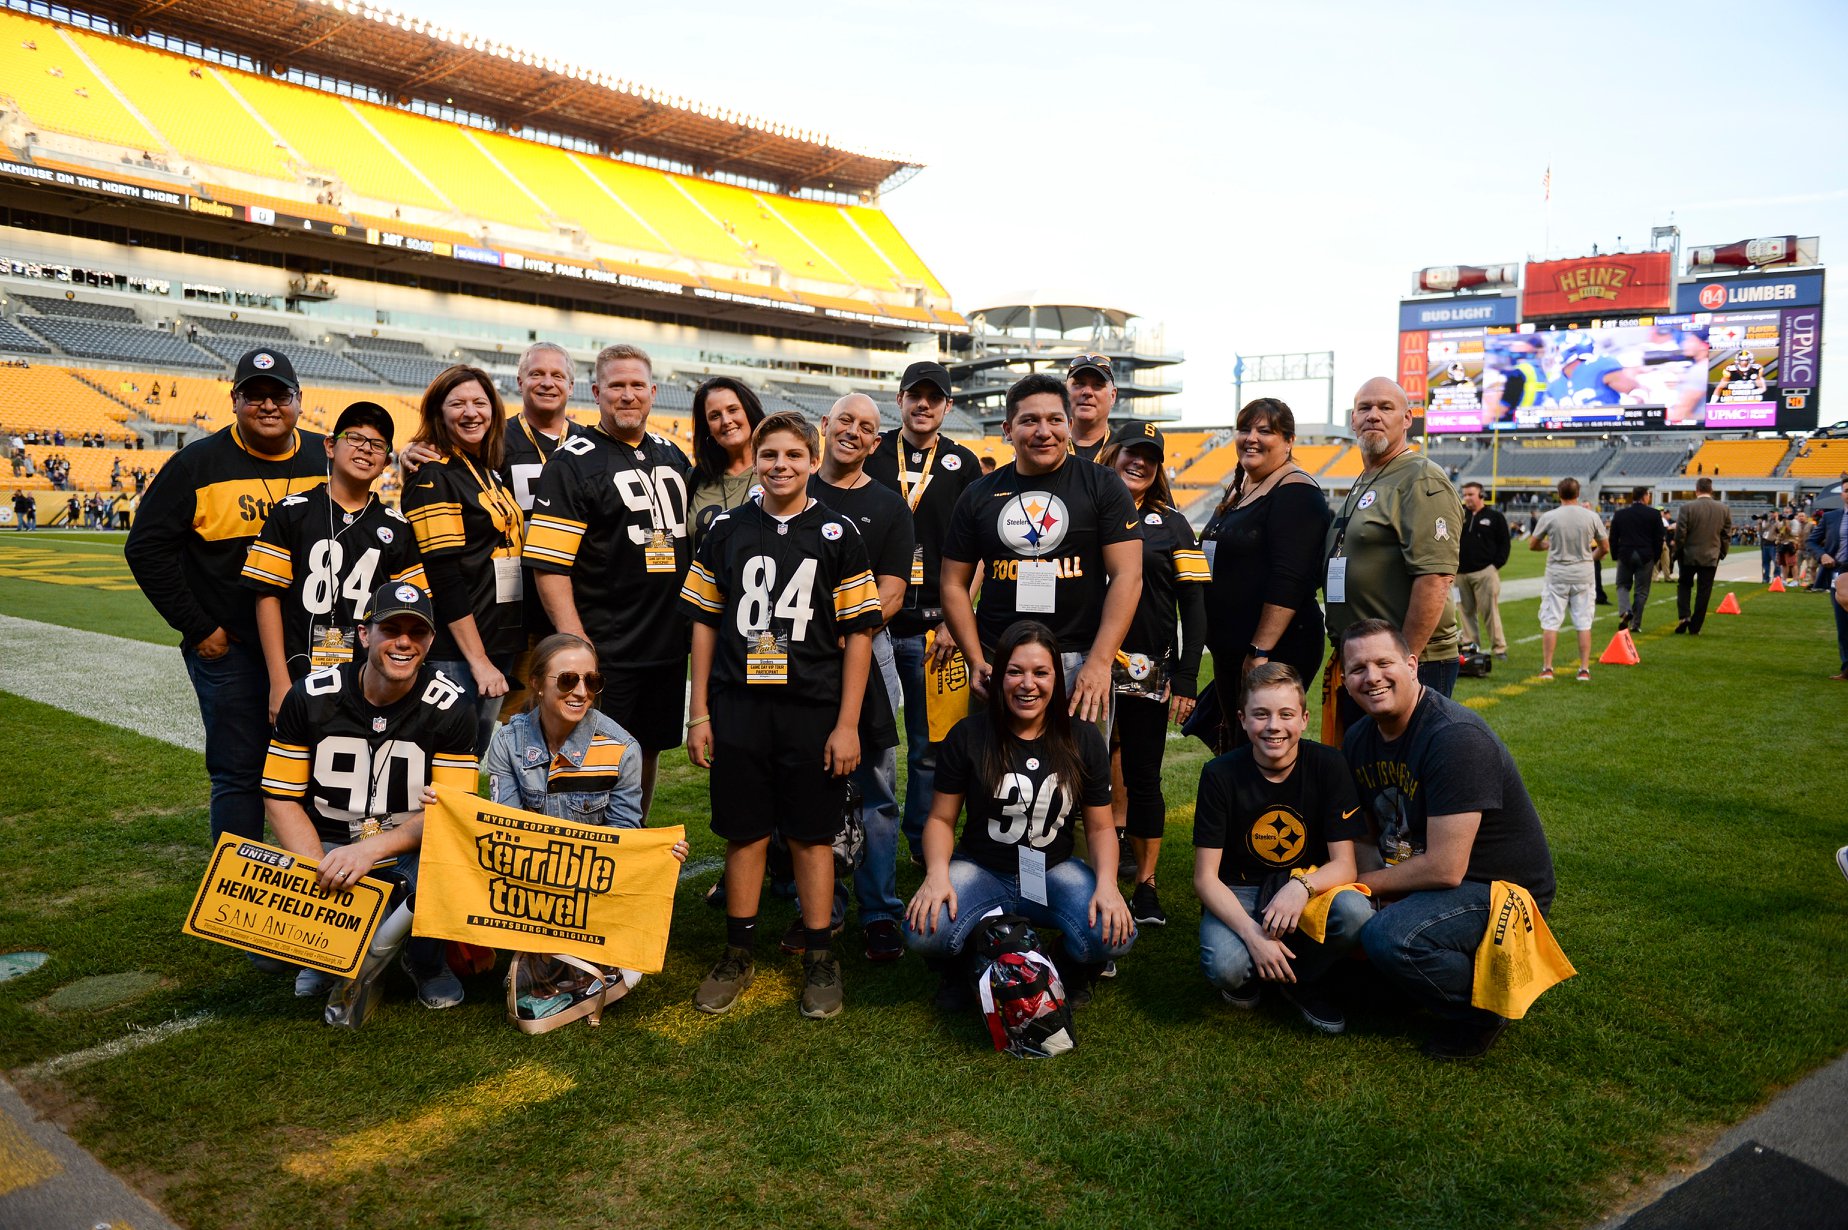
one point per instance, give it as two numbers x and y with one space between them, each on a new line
1277 814
353 748
1451 817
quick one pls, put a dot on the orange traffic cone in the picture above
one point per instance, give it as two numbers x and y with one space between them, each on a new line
1729 607
1621 651
1777 585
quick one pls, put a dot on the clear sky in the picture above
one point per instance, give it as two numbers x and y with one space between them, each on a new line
1265 178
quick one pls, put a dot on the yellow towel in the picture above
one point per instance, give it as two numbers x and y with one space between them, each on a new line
1518 958
1314 922
946 692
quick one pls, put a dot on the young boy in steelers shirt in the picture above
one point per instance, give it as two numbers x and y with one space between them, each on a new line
322 554
353 748
784 609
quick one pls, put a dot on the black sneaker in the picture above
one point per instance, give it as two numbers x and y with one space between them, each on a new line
795 940
822 996
1318 1008
1246 997
1145 906
1463 1040
884 941
1623 622
1127 867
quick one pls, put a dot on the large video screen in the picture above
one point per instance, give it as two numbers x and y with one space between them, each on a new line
1721 371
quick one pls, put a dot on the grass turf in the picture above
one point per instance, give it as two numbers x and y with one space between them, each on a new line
1697 898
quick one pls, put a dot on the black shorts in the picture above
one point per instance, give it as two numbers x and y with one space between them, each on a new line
650 702
766 769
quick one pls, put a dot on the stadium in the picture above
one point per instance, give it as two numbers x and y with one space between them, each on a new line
377 197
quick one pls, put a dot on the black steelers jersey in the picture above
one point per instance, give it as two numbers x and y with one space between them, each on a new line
324 563
1029 806
930 480
1170 558
613 517
780 595
463 515
525 451
1743 383
358 769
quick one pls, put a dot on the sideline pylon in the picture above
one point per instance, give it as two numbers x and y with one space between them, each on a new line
1729 607
1621 651
1777 585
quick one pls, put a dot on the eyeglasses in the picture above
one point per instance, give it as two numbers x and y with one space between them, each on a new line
273 399
568 680
365 444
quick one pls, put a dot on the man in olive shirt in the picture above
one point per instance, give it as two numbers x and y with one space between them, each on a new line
1705 529
1392 549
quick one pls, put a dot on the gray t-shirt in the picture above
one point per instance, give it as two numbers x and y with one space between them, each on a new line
1572 533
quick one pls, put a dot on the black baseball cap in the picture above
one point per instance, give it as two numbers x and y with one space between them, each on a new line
926 372
1099 363
271 363
1141 434
366 414
401 598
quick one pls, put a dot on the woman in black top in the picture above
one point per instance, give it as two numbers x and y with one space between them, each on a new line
1026 773
1264 546
725 414
468 527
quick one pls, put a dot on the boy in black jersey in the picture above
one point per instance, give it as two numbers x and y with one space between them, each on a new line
608 547
353 749
784 609
1275 824
930 471
323 554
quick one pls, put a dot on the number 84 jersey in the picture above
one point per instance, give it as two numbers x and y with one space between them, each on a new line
782 594
358 768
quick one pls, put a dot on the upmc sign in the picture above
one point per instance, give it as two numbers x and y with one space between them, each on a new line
1730 294
1625 282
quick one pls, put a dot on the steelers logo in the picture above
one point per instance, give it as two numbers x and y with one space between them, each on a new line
1278 837
831 531
1366 501
385 534
952 463
408 593
1152 519
262 362
1032 523
1139 666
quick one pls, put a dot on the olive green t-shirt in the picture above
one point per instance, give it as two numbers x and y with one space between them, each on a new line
1402 523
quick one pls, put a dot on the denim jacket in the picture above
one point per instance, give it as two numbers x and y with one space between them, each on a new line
596 777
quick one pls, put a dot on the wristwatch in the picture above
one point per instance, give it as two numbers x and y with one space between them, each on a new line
1252 651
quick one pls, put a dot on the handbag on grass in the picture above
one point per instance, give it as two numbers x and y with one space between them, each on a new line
547 990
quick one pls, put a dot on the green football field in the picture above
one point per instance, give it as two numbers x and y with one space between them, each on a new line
1692 804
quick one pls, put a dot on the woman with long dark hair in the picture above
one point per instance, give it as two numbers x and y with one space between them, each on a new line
1264 546
1158 679
468 528
1024 773
725 413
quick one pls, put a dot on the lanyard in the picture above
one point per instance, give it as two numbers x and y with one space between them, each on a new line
914 494
489 484
545 454
1347 508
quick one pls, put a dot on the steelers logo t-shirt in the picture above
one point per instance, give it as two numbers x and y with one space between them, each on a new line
1264 826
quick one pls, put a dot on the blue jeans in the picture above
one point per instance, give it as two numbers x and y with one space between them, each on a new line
875 883
1439 676
1841 630
1227 962
1426 944
233 693
920 752
487 708
1069 888
1767 558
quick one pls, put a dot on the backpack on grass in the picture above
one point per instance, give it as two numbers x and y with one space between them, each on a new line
1022 998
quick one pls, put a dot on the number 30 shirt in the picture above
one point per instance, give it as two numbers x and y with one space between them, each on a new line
613 517
324 563
780 595
1029 806
357 768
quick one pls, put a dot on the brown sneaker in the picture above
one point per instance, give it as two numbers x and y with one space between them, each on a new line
726 982
822 996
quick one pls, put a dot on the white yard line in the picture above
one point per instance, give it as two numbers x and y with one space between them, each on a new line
132 1041
133 684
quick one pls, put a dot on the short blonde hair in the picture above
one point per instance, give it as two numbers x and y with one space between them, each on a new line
621 350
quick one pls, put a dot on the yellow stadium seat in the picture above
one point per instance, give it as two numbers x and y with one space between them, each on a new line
827 226
46 399
1820 459
573 196
457 166
1312 457
671 213
1737 458
1212 469
57 92
1348 464
879 230
91 467
184 400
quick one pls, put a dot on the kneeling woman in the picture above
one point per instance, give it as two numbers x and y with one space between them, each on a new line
1274 827
1022 771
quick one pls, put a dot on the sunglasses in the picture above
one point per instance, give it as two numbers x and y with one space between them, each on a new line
568 680
1088 360
364 444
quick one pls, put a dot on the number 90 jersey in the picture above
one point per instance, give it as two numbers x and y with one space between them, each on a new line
786 596
613 517
356 767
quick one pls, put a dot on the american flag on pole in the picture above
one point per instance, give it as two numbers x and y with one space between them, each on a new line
1546 184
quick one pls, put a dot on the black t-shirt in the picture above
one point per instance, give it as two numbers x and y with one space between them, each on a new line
1170 558
465 520
526 450
348 761
882 519
1089 452
1266 827
598 506
324 563
1065 518
1449 761
1030 805
1269 551
787 596
932 481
